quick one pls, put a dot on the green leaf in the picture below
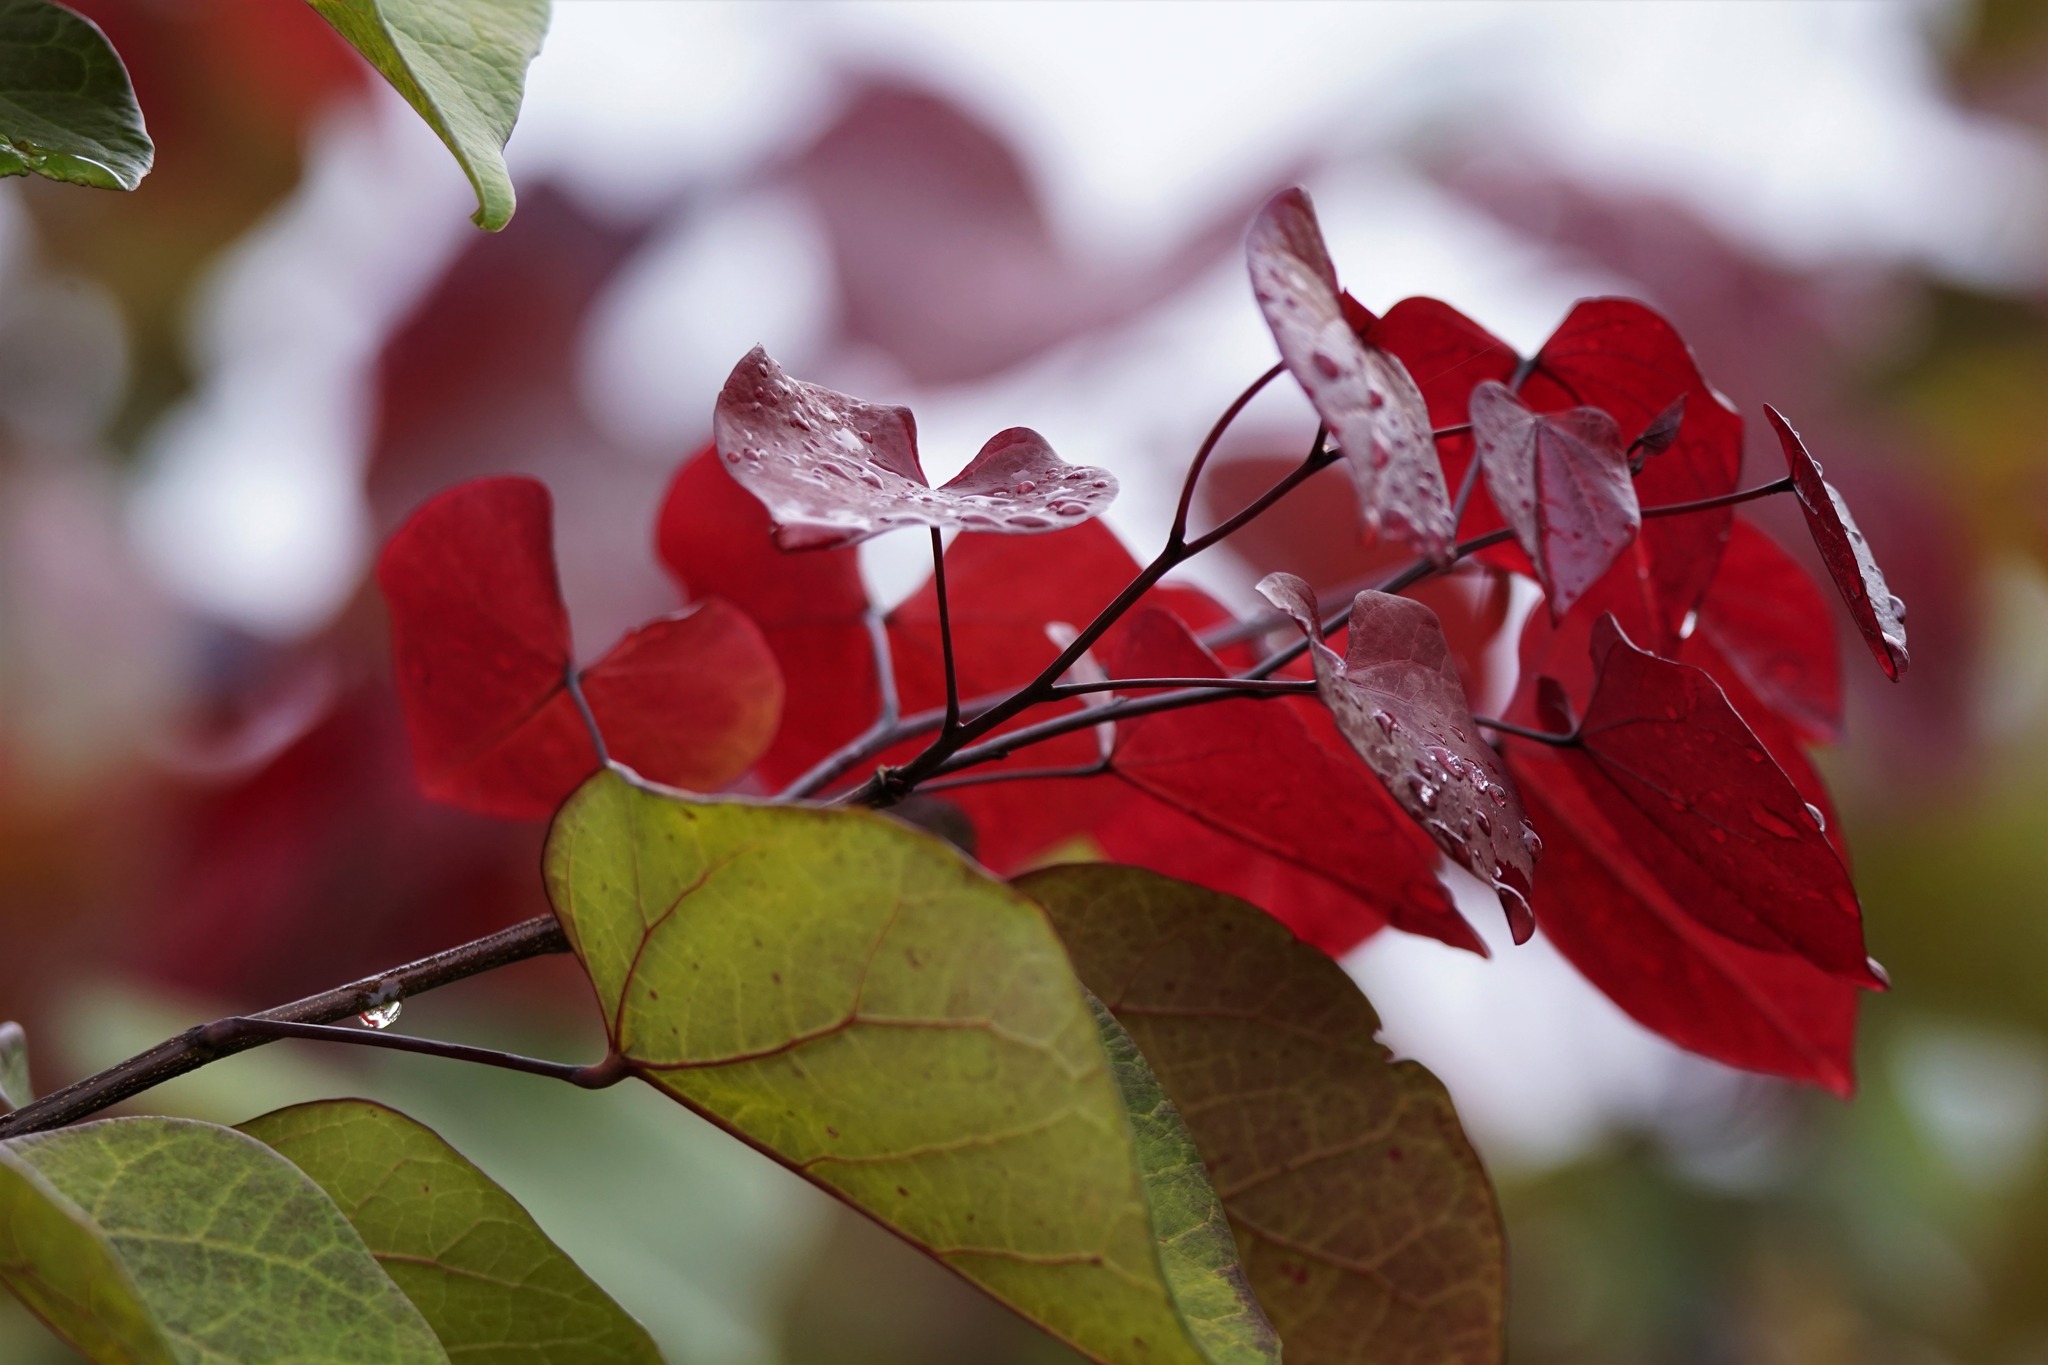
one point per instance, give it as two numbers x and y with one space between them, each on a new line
475 1264
14 1086
861 1003
155 1239
66 109
1367 1225
462 65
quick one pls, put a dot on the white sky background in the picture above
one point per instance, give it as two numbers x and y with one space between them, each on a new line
1814 130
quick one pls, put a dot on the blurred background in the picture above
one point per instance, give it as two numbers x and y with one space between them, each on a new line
224 389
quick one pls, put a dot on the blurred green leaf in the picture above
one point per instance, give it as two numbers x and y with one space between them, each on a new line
462 65
1368 1227
66 109
488 1280
157 1239
14 1086
863 1004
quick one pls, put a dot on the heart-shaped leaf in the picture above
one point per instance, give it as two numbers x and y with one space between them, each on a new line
1694 795
782 969
1397 700
462 65
66 109
1877 613
1562 481
1362 393
1619 925
474 1263
481 649
1766 616
1368 1226
162 1240
1252 772
833 470
14 1087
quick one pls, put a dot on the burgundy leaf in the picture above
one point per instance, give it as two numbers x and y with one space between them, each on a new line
833 470
1879 615
1397 700
1252 772
1562 481
1621 927
1364 394
1767 618
1697 798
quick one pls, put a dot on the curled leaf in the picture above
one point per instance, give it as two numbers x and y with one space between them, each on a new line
1877 613
67 111
1656 438
1397 699
1363 394
833 470
1562 481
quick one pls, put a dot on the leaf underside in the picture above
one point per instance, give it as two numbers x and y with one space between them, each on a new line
67 111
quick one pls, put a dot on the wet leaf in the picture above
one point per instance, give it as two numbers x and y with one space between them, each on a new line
1693 795
1397 700
151 1239
780 968
1879 615
1766 616
481 649
67 111
834 470
474 1263
1368 1227
1364 394
15 1090
462 65
1562 481
1252 772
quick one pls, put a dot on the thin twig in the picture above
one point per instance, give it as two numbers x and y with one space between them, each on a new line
1762 490
1149 684
190 1050
575 686
1178 533
247 1028
952 721
1523 732
1095 769
1465 487
879 736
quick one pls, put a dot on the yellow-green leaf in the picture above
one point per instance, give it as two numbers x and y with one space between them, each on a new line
866 1006
14 1086
66 109
462 65
1367 1225
157 1240
488 1280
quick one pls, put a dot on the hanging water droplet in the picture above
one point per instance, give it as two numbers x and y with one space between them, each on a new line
1898 605
382 1016
1531 841
1688 625
1820 822
1425 794
1385 721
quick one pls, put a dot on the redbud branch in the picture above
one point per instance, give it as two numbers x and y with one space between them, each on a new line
952 721
1523 732
1187 488
242 1028
1762 490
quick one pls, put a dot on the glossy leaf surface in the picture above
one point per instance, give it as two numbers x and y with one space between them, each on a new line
231 1251
1368 1227
15 1090
67 111
1691 792
780 969
1562 481
1365 396
1879 615
1397 700
833 470
462 65
475 1264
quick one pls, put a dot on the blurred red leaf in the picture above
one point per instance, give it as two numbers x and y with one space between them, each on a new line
1767 619
834 470
1398 701
1562 481
1363 394
1878 614
1696 797
1251 772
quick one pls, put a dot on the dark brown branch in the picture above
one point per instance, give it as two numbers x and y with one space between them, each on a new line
1151 684
223 1033
191 1049
952 721
1762 490
1178 534
1523 732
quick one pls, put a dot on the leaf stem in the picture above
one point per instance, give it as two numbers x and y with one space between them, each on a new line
574 684
239 1028
1523 732
885 731
952 721
1218 684
1762 490
1178 534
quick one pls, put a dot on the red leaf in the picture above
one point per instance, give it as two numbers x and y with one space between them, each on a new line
1619 356
715 538
1448 355
833 470
1252 772
481 650
1397 700
1694 795
1364 395
1766 617
1562 481
1878 614
1615 922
